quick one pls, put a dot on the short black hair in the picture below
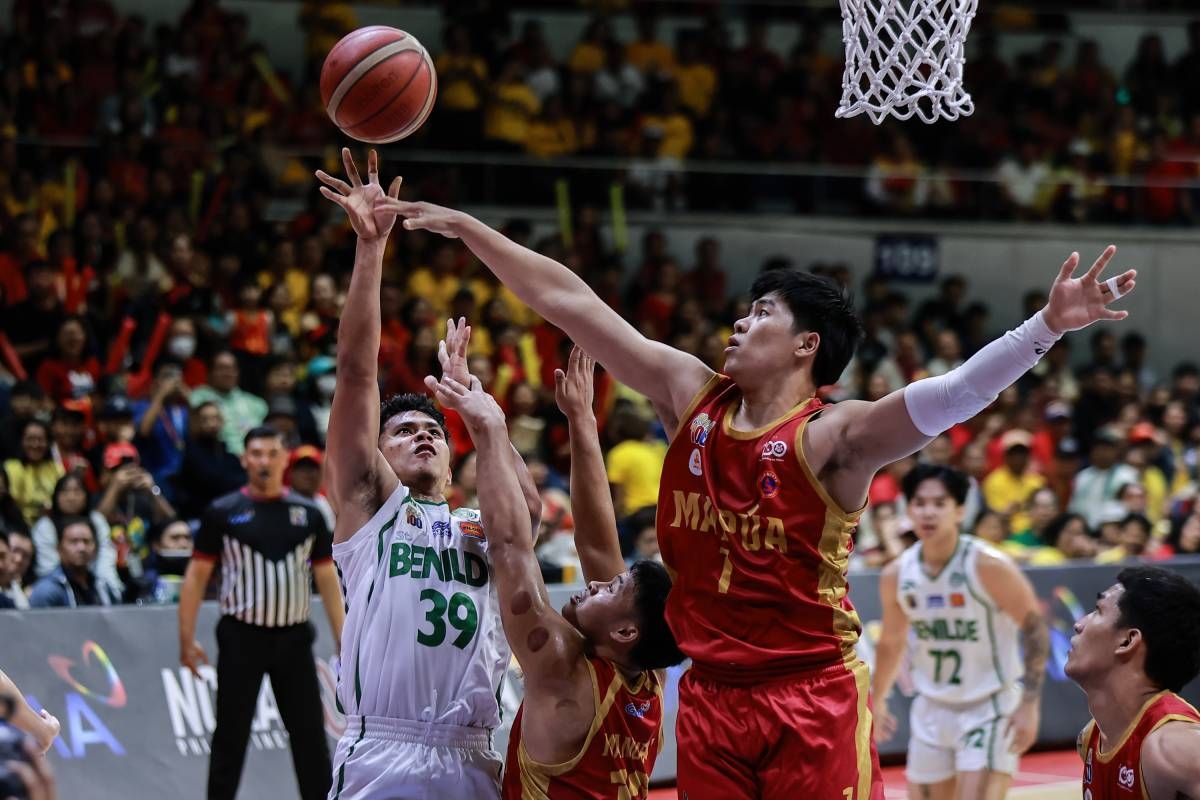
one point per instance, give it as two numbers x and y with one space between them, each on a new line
956 481
1055 527
656 647
412 401
1165 607
261 432
1140 520
818 304
62 523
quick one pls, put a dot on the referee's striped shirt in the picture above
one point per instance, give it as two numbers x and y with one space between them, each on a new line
266 548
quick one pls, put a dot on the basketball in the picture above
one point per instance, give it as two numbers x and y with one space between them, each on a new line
378 84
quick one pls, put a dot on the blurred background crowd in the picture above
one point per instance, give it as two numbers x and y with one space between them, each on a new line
169 277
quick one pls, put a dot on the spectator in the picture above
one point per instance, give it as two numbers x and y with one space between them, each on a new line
306 472
1043 507
240 410
10 590
462 77
1097 485
30 323
67 432
1009 488
208 470
1066 538
72 499
1025 181
25 401
634 464
72 583
20 555
1142 455
1179 455
1133 543
32 476
132 504
162 424
992 527
1184 538
170 552
70 371
181 345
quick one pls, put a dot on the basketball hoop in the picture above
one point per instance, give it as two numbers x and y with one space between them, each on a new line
905 57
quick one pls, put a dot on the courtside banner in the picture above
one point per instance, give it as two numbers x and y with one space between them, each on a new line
133 720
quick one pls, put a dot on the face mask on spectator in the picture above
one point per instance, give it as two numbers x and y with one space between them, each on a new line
182 347
326 384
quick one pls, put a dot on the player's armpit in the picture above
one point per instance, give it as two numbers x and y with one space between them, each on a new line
1168 760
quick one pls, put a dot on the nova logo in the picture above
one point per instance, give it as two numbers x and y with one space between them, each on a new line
242 518
82 726
1125 777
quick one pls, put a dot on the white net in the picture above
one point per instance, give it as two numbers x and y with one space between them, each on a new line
905 57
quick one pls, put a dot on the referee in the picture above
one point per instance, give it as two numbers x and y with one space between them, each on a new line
265 538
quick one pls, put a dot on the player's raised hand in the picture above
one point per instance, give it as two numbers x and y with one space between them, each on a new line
358 199
424 216
477 408
452 351
1078 302
574 389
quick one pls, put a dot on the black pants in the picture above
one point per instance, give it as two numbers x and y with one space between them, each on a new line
245 654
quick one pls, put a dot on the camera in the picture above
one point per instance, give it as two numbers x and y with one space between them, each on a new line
12 748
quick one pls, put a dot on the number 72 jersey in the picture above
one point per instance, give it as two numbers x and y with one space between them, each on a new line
962 647
422 639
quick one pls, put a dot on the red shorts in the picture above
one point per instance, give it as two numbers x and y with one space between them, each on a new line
805 737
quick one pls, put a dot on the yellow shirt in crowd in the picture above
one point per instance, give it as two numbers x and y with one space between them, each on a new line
636 467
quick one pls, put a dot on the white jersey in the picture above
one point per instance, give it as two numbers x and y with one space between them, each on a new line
963 648
422 639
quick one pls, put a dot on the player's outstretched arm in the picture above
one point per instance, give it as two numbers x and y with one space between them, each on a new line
591 499
1169 764
860 437
1012 591
545 644
42 726
889 652
452 355
667 376
358 477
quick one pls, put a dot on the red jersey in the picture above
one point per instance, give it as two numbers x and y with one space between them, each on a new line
758 549
250 332
1117 774
617 756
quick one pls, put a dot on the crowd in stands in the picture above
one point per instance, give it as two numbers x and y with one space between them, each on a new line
151 312
195 119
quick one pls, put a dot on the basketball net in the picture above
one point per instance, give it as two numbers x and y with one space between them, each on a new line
905 57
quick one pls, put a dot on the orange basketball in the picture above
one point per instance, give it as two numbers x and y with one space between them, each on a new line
378 84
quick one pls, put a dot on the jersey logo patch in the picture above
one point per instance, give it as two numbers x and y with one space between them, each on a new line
441 528
471 529
1087 767
957 579
298 516
694 464
1125 777
702 425
412 517
242 518
773 450
935 601
768 484
957 600
637 709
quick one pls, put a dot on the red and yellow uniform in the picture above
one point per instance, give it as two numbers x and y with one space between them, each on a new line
617 756
776 696
1118 773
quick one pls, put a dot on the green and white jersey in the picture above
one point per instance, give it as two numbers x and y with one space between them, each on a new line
422 639
962 647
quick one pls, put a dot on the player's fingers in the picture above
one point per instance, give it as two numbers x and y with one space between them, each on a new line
1068 267
1100 263
443 356
351 170
35 788
373 167
394 190
335 183
329 194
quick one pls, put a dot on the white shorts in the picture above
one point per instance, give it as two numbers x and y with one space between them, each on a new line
379 758
946 740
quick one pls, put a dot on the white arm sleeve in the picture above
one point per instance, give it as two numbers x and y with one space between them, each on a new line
935 404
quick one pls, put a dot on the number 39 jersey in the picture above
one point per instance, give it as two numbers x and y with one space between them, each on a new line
422 639
963 648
